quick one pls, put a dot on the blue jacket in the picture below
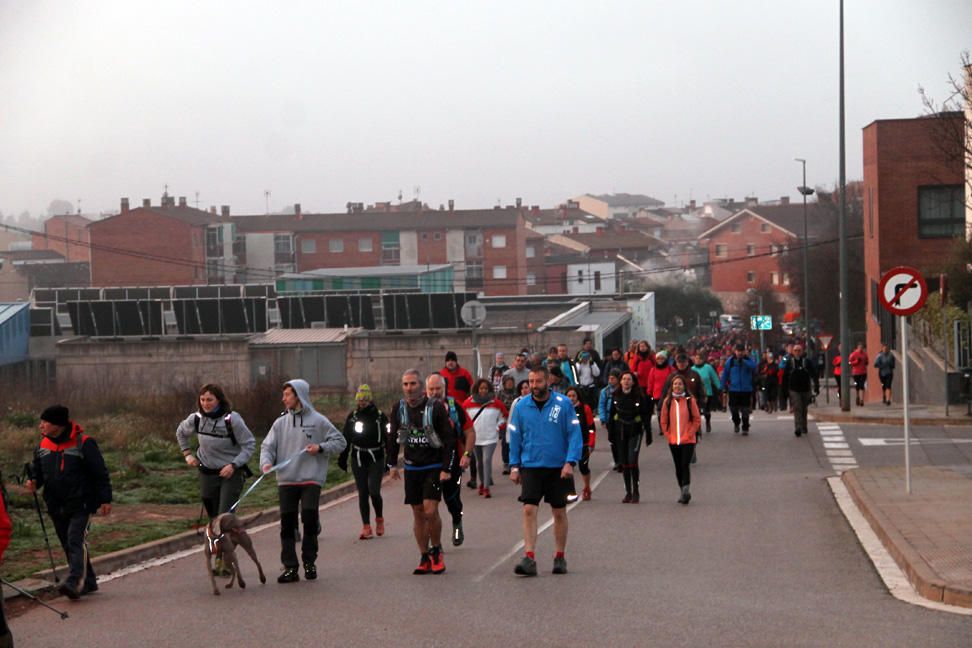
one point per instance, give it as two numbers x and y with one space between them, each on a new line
604 404
546 438
738 375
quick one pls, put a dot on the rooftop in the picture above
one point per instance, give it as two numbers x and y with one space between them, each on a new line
279 336
373 271
10 309
374 220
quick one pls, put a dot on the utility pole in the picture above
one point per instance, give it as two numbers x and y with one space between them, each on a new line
842 223
805 191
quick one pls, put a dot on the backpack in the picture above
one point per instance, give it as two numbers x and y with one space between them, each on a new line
229 428
435 440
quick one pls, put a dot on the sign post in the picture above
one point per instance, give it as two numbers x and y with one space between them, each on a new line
825 340
473 314
903 291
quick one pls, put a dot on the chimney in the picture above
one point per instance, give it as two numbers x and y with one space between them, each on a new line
146 203
182 201
519 203
535 209
784 200
212 209
348 206
124 205
297 212
452 205
573 204
691 204
224 212
752 201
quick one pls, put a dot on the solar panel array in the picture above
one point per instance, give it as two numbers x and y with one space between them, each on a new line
114 318
220 316
329 311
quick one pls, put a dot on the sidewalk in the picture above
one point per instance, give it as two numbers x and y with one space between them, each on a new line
928 533
893 414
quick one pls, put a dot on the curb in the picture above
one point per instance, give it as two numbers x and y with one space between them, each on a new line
922 577
889 420
107 563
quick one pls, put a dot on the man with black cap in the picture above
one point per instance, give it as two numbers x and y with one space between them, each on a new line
458 379
69 467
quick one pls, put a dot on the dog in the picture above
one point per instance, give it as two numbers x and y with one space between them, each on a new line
224 533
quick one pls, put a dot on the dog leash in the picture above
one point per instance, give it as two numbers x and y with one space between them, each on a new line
273 469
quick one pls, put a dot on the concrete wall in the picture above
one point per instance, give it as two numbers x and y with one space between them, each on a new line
130 368
379 359
259 256
408 240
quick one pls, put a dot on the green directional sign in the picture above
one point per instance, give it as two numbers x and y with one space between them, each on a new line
761 323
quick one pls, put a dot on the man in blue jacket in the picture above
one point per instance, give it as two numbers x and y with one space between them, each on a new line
545 445
737 379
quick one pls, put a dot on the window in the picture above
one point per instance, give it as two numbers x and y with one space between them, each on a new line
531 252
941 212
786 278
735 228
214 242
580 276
308 246
764 228
750 249
335 246
437 236
283 249
499 272
721 250
391 249
499 240
774 249
365 245
597 280
775 278
750 277
425 236
474 275
474 244
531 279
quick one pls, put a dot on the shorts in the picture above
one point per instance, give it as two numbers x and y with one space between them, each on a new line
860 380
543 483
886 381
422 485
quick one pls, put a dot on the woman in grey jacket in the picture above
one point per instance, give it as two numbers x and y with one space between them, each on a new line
225 446
300 444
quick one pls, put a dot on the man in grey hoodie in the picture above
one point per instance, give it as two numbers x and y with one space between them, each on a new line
303 440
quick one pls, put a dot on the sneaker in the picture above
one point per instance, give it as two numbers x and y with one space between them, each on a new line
618 468
310 571
69 591
457 535
88 589
797 432
586 495
627 499
425 566
506 469
745 432
708 427
365 533
486 494
635 498
289 575
482 489
471 483
560 566
572 497
438 562
526 567
380 526
735 428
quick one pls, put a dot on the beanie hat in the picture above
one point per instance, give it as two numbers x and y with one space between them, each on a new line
364 393
56 415
661 355
451 355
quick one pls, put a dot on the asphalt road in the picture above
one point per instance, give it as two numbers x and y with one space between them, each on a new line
761 557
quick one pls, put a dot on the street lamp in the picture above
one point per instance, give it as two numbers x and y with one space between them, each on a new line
805 191
752 292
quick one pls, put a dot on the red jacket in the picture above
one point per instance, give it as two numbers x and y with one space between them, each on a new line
680 420
655 386
642 368
6 528
588 429
458 383
858 363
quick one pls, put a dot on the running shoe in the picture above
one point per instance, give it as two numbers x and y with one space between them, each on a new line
425 567
560 566
365 533
457 535
380 526
289 575
310 571
526 567
438 562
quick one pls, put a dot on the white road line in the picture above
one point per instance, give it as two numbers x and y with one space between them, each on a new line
543 527
840 453
836 446
896 582
843 461
155 562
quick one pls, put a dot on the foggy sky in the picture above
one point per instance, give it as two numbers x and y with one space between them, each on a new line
476 101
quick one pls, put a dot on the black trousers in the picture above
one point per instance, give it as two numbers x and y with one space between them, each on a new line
367 477
682 456
4 629
739 406
452 492
72 531
219 494
304 499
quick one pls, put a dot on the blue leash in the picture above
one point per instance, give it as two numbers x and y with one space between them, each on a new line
273 469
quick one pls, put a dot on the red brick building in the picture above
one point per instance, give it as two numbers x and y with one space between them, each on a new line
66 234
745 251
914 207
163 245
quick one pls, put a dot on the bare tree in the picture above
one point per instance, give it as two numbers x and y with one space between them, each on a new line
953 137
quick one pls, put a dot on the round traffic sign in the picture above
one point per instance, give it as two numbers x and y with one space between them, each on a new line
902 290
473 313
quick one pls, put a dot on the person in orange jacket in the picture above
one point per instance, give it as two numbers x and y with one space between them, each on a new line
680 423
6 530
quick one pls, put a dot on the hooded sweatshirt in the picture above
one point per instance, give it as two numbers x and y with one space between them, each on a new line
216 448
293 431
490 423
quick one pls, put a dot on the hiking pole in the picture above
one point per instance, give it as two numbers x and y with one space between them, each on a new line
274 468
29 472
61 613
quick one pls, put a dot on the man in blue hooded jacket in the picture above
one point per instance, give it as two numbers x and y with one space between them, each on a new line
737 378
303 440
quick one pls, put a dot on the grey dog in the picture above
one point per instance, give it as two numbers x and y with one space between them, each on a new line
223 534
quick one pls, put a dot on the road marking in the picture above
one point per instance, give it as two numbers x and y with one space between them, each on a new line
788 417
836 446
898 441
543 527
827 426
840 453
896 582
185 553
837 461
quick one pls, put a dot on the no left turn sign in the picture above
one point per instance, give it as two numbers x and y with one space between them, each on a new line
902 290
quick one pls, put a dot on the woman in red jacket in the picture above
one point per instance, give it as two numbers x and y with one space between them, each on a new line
858 363
680 423
586 417
655 386
6 529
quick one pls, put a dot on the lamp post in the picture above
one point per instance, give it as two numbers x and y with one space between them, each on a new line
805 191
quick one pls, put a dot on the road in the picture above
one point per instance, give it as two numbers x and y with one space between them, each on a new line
761 557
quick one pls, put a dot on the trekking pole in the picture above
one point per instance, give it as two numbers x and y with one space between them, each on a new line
28 471
60 613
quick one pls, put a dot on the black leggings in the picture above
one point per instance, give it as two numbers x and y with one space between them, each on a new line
452 492
682 456
585 463
367 477
629 448
306 500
